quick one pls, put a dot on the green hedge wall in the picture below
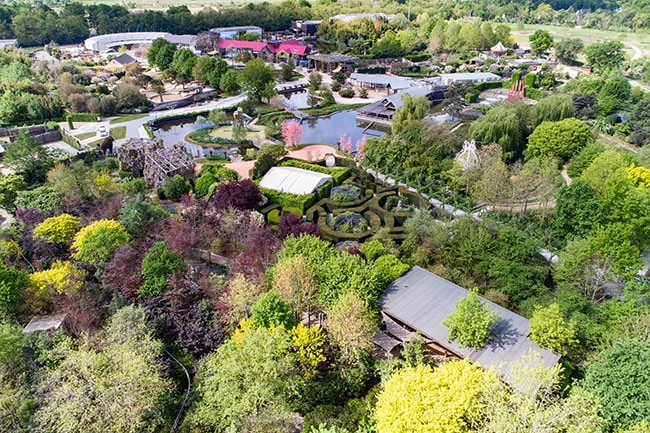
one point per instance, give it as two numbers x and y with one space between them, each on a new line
493 85
286 200
82 117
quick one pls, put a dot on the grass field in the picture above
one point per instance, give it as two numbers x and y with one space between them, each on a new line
128 118
637 45
85 135
118 133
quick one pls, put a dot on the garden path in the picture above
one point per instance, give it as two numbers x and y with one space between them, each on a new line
307 153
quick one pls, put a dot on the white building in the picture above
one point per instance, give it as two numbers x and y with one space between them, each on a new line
473 77
293 180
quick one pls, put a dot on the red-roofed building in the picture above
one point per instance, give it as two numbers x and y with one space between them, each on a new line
276 51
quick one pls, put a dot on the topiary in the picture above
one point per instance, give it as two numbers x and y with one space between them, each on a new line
176 187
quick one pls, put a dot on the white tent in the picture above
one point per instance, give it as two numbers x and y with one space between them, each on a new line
293 180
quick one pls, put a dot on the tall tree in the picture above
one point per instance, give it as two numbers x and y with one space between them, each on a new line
350 326
605 55
563 139
567 50
549 328
413 108
255 77
246 384
29 158
471 322
110 384
540 41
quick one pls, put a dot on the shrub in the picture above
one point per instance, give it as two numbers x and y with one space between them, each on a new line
372 250
363 93
273 217
176 187
390 267
347 93
242 195
57 230
158 265
97 241
345 193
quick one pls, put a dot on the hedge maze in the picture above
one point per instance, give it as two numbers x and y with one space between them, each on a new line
373 206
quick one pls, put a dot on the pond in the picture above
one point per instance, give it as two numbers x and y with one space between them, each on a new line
174 132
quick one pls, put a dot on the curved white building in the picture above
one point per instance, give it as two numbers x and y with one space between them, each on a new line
104 43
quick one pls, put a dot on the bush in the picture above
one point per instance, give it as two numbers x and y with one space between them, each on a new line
57 230
293 225
176 187
273 217
363 93
81 117
335 86
242 195
347 93
157 266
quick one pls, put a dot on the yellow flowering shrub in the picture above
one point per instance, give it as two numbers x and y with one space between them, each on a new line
58 229
63 277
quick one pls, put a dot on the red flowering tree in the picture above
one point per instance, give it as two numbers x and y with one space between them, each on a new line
360 145
291 132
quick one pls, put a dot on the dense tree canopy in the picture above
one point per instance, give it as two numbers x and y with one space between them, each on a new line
562 139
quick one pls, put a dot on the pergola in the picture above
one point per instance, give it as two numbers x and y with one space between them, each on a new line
329 62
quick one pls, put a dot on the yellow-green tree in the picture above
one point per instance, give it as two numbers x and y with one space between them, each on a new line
549 328
307 343
471 322
420 399
95 243
63 277
58 229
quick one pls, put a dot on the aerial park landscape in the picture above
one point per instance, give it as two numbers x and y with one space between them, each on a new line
325 217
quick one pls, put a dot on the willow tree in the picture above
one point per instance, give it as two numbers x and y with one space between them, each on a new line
413 108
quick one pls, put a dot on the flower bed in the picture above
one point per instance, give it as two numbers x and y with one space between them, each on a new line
349 222
345 193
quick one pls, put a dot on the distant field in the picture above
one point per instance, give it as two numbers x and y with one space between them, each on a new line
194 5
636 44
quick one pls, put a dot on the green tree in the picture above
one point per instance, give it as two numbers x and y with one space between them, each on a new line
504 125
578 212
619 377
95 243
12 285
246 385
57 230
29 158
540 41
113 383
567 50
176 187
209 70
255 78
350 326
562 139
315 79
10 185
129 96
552 109
158 265
413 108
287 69
137 215
471 322
605 55
229 82
549 328
307 343
183 63
271 310
421 399
161 53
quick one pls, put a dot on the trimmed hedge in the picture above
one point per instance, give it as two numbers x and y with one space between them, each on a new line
338 174
273 217
81 117
286 200
493 85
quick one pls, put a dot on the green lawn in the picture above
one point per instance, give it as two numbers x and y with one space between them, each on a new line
118 133
332 109
128 118
85 135
640 40
226 132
